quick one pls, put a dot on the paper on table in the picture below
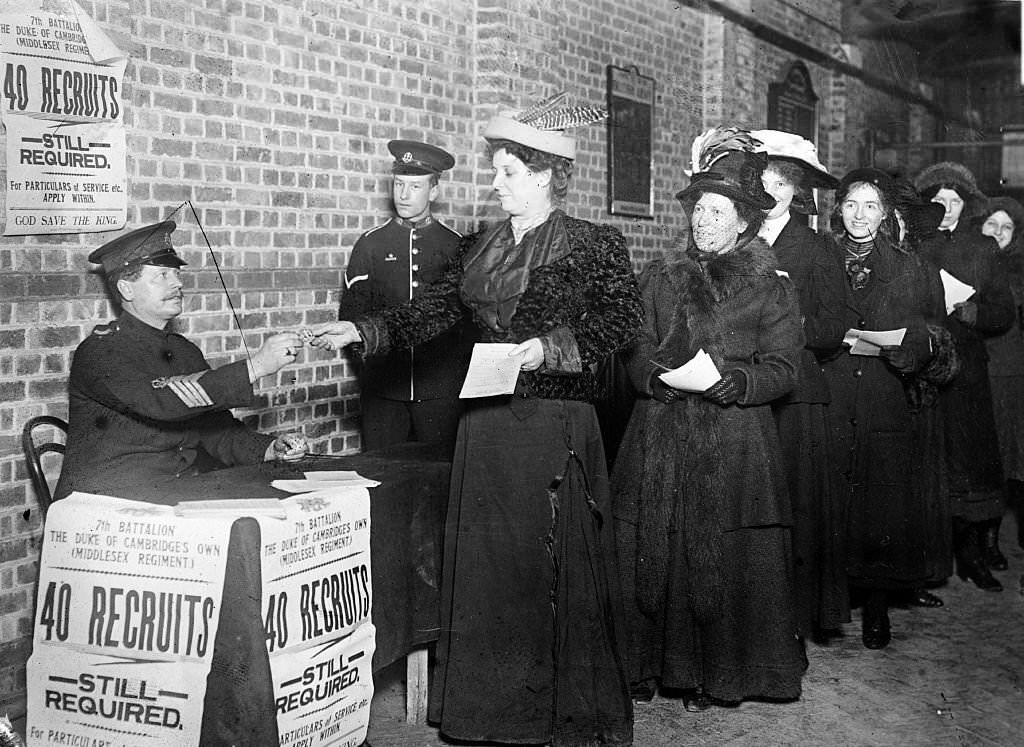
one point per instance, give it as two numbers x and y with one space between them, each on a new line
869 342
242 506
955 290
308 485
491 371
696 375
350 477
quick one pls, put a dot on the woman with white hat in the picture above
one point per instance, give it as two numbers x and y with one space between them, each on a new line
530 609
792 173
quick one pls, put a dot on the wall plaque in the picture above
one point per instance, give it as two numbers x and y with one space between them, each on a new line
792 103
630 133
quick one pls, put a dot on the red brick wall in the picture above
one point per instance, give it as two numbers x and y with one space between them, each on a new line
272 119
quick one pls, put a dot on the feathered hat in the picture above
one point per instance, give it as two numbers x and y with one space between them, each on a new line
543 125
956 176
724 161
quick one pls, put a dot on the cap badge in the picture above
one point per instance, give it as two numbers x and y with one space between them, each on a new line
406 157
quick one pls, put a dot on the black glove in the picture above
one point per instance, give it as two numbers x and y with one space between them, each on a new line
728 389
899 357
662 391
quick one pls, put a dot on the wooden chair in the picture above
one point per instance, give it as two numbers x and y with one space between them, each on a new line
41 435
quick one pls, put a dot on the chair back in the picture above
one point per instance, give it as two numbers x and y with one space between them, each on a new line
42 435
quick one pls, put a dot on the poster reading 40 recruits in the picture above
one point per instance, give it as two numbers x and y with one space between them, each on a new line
316 600
126 619
61 101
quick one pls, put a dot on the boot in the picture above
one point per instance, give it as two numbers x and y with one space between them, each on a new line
970 564
990 545
875 631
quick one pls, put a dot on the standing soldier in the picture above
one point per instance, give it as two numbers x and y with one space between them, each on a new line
410 394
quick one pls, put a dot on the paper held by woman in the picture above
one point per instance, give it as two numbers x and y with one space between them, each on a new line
696 375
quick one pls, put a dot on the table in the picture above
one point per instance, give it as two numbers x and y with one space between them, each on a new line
406 528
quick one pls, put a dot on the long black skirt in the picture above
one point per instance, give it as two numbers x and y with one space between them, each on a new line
531 615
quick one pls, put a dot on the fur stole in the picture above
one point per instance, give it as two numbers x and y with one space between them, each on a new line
683 471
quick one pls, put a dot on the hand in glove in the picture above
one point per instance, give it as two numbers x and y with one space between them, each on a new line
966 312
899 357
662 391
728 389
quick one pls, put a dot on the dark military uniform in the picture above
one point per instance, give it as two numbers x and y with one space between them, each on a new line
406 394
144 402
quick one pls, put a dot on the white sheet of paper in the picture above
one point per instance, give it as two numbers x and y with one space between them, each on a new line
491 371
955 290
308 486
350 478
868 342
241 506
696 375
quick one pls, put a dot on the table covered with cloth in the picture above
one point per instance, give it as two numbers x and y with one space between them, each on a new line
406 524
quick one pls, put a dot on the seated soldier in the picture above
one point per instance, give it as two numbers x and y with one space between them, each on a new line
144 402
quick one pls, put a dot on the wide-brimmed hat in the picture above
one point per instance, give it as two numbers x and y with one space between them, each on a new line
797 150
954 175
543 126
921 217
736 175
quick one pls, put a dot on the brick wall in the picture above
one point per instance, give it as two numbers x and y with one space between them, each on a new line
271 118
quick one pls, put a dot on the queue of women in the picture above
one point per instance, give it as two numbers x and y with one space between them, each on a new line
742 519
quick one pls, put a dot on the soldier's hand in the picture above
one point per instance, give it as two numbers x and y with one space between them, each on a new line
289 447
531 352
333 335
277 352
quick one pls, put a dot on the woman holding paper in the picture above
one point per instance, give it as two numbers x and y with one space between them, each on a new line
531 614
975 475
877 436
701 504
1004 221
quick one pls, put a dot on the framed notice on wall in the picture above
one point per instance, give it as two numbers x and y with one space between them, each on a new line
630 133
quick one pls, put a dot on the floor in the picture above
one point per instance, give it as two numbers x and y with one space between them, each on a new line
951 676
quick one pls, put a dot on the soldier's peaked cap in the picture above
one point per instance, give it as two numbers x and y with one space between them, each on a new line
414 157
149 245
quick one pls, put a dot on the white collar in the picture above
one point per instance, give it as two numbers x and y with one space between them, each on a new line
772 227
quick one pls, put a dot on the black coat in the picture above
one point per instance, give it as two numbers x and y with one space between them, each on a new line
975 468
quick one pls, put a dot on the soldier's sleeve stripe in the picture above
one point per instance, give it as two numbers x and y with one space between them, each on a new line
349 282
186 388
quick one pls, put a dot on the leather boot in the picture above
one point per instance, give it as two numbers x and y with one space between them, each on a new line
990 546
970 564
875 631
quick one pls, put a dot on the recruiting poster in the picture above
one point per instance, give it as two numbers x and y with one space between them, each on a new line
62 106
316 600
125 623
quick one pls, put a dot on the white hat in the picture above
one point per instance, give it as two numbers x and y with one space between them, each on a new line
800 150
543 126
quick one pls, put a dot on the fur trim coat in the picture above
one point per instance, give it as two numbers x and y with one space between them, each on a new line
693 466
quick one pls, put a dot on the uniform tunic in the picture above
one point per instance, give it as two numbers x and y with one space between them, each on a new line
144 402
390 265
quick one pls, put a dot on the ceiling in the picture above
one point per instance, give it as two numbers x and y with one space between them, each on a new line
946 33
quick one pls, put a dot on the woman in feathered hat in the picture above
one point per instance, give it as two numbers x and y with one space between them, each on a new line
701 504
792 173
876 435
1003 220
530 609
975 474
